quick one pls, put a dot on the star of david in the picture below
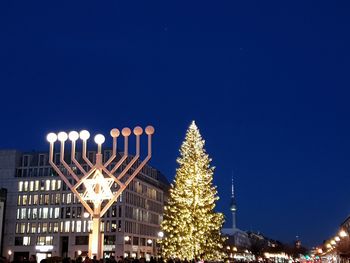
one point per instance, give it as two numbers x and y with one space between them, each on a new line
98 187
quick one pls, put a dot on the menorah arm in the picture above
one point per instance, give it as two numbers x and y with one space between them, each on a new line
126 150
66 181
82 170
66 165
84 155
121 189
114 152
112 176
138 169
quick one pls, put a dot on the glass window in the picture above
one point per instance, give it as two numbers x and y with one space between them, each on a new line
35 213
53 185
57 199
18 241
57 212
20 186
22 228
55 227
31 186
25 186
66 226
59 184
23 213
26 241
41 159
47 185
44 228
33 228
47 199
69 198
45 212
36 185
35 199
78 226
24 199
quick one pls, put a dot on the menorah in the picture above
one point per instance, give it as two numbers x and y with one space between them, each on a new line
98 178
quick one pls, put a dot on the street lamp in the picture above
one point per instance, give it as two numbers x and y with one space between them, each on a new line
9 253
98 195
160 236
343 233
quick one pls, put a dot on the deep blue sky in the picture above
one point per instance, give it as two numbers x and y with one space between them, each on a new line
266 82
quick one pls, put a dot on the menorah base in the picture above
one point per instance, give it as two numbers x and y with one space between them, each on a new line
96 239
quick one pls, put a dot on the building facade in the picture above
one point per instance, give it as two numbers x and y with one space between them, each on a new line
44 218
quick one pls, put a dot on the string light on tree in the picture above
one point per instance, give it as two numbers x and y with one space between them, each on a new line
191 227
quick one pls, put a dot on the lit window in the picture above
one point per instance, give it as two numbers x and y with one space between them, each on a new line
31 186
33 228
35 199
44 228
50 213
57 212
44 240
36 186
59 184
66 226
57 199
47 199
26 241
29 213
55 227
18 213
22 228
24 199
45 212
78 226
69 198
35 213
23 213
19 200
30 200
47 185
53 185
20 186
26 186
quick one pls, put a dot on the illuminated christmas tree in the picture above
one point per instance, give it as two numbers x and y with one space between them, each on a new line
190 225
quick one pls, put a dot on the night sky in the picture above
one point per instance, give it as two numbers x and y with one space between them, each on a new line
266 82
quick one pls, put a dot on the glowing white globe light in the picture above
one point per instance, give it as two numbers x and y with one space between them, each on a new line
73 136
99 139
51 137
84 135
62 136
149 130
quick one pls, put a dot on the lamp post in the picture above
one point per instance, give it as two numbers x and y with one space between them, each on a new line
160 236
97 180
9 253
